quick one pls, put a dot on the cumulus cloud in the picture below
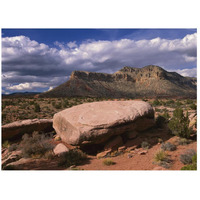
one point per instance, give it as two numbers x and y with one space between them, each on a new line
27 61
187 72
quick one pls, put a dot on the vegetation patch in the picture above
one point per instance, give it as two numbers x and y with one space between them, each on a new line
186 158
36 145
179 124
192 166
108 162
72 157
168 146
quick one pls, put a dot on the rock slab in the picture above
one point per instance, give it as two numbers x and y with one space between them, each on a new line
98 121
14 129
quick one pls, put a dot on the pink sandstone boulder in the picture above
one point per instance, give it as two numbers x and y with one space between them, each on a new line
96 122
14 129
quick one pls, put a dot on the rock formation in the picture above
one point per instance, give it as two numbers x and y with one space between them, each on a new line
149 81
97 122
18 128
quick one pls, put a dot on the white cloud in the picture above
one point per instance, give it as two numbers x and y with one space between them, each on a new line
187 72
50 88
26 62
26 86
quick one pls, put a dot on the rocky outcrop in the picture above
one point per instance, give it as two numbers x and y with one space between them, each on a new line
97 122
129 82
60 149
18 128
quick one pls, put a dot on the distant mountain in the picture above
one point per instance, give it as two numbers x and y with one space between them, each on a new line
149 81
20 94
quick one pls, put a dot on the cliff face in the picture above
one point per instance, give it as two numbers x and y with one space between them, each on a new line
149 81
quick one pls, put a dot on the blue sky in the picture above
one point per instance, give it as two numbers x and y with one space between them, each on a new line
40 59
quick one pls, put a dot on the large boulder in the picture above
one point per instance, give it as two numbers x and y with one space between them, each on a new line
96 122
15 129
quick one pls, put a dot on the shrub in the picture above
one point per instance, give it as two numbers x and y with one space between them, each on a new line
170 102
72 157
36 145
156 102
168 146
193 166
6 144
145 145
166 115
193 106
36 107
183 141
179 124
13 147
160 156
108 162
186 158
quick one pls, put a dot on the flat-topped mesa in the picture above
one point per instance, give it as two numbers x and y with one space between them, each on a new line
91 76
129 82
150 71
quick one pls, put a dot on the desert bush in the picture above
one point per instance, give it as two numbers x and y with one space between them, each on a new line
166 115
179 124
156 102
36 145
169 102
145 145
183 141
36 107
178 103
6 144
192 166
108 162
13 147
189 101
160 156
186 158
72 157
193 106
168 146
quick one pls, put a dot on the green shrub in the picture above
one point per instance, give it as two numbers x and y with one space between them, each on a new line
108 162
187 157
168 146
193 166
169 102
183 141
193 106
179 124
72 157
156 102
36 145
6 144
145 145
36 107
160 156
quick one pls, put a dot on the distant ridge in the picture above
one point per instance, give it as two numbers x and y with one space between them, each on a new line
128 82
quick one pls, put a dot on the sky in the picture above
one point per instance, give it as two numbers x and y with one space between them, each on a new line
37 60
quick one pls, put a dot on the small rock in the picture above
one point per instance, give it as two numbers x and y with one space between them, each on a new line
103 154
14 156
142 152
130 155
60 148
121 148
